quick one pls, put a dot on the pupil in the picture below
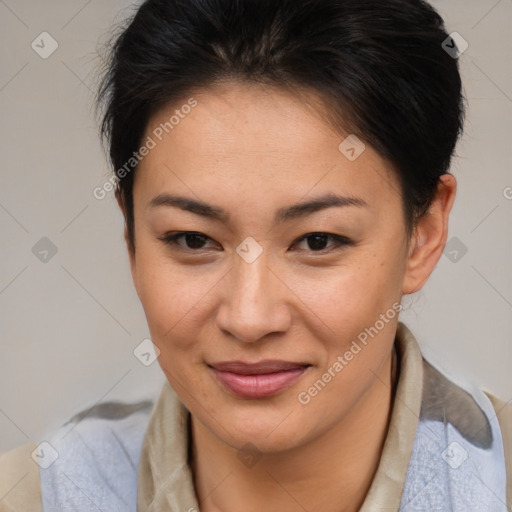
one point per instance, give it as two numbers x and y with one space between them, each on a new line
318 242
197 241
315 242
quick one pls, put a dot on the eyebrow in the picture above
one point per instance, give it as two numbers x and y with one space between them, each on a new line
284 214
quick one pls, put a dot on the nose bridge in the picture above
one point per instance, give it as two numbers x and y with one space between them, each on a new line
253 305
253 280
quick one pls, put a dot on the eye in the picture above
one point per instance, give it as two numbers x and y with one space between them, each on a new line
316 242
193 241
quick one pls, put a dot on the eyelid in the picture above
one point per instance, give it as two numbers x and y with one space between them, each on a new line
170 239
340 241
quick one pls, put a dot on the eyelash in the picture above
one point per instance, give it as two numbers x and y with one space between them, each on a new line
340 241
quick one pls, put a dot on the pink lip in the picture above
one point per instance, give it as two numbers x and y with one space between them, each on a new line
258 380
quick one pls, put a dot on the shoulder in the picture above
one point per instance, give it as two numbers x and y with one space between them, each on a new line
481 422
464 409
91 458
95 457
504 414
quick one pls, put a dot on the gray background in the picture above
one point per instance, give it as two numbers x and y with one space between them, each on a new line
69 325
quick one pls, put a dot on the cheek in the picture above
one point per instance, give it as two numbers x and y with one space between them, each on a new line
360 306
361 310
352 296
170 295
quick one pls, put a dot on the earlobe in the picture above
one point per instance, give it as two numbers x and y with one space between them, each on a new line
429 238
120 201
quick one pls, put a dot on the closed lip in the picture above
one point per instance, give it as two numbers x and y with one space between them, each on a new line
257 380
260 368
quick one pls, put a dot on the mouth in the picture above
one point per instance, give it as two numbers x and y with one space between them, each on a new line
257 380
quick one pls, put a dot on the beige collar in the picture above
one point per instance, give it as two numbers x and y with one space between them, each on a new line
166 480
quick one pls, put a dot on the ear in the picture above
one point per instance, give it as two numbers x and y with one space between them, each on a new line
131 254
429 237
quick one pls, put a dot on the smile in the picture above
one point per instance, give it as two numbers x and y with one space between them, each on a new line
259 380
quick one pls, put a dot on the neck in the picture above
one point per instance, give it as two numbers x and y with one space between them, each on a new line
332 473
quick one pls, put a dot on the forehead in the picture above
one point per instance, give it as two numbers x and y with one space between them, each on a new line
259 141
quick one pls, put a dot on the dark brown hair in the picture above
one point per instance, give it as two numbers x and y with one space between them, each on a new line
379 66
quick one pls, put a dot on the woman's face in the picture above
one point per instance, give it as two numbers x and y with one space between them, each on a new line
253 287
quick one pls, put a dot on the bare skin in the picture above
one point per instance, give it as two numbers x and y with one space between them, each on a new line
250 152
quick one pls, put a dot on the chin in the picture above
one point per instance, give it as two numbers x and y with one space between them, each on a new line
258 438
268 427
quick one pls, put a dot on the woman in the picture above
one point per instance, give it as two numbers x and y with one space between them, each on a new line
282 168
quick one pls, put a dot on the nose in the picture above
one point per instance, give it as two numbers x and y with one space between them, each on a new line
255 303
